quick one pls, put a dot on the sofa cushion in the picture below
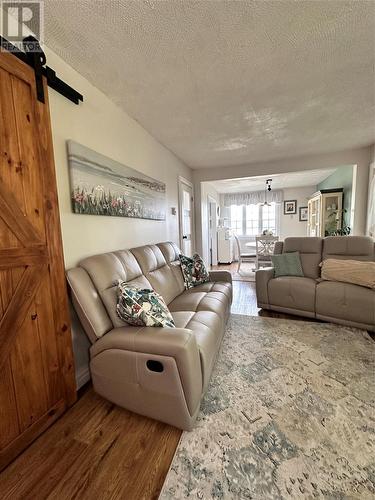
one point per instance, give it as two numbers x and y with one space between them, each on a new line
142 307
345 301
210 286
349 247
216 302
208 330
310 250
156 270
193 270
292 292
287 264
349 271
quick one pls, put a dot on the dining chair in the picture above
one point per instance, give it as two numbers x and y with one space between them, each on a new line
242 256
264 246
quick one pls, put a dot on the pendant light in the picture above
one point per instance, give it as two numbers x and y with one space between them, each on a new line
267 188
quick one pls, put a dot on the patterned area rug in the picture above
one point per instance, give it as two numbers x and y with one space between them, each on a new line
289 413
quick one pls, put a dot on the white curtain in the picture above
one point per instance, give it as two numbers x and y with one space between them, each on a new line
252 198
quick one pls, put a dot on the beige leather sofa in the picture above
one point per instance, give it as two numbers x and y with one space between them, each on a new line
309 296
158 372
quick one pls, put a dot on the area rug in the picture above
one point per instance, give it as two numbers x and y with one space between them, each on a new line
289 413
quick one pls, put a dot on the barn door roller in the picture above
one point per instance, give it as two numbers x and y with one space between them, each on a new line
34 56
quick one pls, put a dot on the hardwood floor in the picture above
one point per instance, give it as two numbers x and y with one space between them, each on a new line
98 450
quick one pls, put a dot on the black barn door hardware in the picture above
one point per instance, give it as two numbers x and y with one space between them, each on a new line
34 57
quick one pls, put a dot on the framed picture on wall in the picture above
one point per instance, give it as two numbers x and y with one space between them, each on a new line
290 207
302 214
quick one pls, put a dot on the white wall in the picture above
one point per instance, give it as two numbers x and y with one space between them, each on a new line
206 191
290 224
100 125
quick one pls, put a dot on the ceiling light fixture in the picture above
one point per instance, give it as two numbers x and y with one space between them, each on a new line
267 188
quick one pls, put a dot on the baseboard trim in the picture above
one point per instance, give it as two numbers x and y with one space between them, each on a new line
82 377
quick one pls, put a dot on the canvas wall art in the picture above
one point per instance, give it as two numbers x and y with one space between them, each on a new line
101 186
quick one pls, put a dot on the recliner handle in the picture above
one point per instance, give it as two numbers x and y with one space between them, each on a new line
154 366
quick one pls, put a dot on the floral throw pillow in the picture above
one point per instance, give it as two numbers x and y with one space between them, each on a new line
142 306
193 270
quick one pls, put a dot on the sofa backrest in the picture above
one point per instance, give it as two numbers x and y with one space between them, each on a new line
349 247
106 269
310 250
158 272
94 283
171 253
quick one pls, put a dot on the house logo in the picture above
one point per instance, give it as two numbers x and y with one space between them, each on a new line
20 19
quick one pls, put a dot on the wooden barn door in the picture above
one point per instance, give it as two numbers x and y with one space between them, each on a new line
36 363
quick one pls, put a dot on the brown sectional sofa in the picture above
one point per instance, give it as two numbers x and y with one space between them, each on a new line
158 372
309 296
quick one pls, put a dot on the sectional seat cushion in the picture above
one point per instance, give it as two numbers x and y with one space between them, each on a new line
351 303
193 270
218 286
142 307
293 293
216 302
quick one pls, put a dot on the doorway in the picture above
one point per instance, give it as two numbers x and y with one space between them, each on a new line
186 215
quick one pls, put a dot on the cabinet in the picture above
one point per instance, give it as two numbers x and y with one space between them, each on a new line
324 212
36 361
224 246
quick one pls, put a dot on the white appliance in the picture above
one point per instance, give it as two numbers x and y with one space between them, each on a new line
224 246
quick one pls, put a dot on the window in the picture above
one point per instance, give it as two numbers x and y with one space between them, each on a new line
268 217
252 220
236 219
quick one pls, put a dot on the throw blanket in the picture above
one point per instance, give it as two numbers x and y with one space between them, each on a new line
349 271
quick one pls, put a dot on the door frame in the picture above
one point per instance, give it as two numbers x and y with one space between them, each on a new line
212 257
183 181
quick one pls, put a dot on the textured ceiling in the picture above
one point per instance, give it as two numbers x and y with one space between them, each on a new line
222 83
279 181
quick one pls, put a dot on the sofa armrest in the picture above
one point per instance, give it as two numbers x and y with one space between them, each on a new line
220 276
262 277
177 343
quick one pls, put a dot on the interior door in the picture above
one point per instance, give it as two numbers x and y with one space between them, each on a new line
186 217
36 361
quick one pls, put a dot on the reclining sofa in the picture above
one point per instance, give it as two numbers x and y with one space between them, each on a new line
312 297
161 373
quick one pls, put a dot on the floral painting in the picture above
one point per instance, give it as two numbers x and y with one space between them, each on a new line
101 186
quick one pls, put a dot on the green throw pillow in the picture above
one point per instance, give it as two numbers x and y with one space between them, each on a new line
142 306
287 264
193 270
